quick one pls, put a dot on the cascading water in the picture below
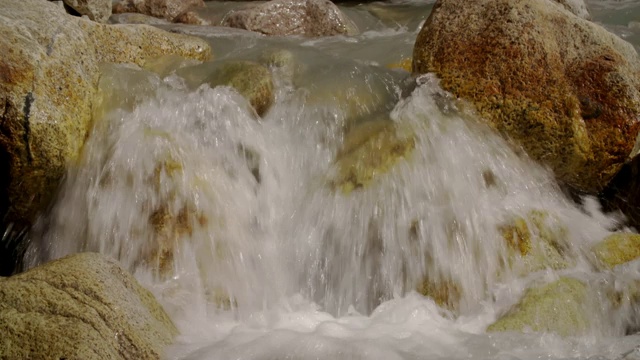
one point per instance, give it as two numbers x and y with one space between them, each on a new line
238 225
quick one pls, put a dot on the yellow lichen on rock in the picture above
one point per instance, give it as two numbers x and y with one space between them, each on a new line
370 149
559 307
404 64
535 242
445 293
252 80
617 249
84 306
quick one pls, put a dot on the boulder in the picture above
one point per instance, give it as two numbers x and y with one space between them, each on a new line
617 249
310 18
165 9
96 10
559 307
561 87
48 78
84 306
369 150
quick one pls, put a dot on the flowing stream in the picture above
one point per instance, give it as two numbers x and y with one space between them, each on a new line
257 254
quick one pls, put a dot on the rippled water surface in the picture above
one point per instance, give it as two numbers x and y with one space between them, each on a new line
261 256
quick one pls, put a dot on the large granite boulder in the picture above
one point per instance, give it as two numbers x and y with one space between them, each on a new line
96 10
292 17
563 88
165 9
84 306
48 78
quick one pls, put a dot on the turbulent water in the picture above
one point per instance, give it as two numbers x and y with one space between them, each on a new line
260 257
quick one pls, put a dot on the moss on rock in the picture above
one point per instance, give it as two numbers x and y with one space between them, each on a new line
370 149
617 249
558 307
81 307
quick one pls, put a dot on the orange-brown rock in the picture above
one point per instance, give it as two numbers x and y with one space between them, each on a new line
563 88
48 77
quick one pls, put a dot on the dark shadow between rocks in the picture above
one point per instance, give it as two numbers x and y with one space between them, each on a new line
623 192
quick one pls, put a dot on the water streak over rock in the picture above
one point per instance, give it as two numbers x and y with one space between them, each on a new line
48 81
563 88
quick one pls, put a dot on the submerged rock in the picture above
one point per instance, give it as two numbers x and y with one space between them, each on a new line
563 88
292 17
80 307
370 149
48 80
445 293
96 10
166 9
558 307
617 249
252 80
536 242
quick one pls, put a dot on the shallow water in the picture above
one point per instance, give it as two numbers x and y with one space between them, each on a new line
268 260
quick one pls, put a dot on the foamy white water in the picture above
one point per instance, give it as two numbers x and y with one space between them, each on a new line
260 258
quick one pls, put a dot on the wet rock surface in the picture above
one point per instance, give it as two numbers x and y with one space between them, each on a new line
292 17
559 307
96 10
48 80
165 9
561 87
81 307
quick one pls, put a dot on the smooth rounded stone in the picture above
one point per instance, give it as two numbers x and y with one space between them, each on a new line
536 242
96 10
559 307
48 82
369 150
617 249
312 18
165 9
136 18
561 87
84 306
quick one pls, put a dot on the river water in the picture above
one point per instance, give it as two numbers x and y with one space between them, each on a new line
261 258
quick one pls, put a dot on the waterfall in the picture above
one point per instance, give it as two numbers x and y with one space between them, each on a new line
239 226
